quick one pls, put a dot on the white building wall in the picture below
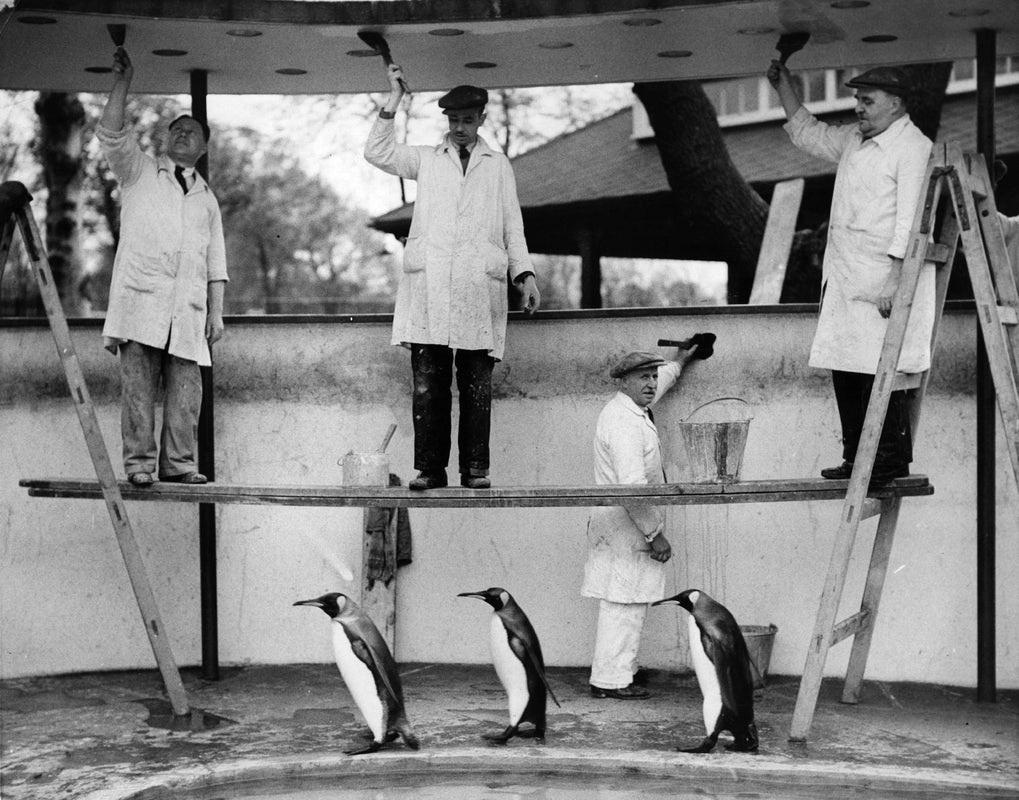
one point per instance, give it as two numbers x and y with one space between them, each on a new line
292 398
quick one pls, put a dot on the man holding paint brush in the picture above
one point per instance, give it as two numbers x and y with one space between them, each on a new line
166 294
466 237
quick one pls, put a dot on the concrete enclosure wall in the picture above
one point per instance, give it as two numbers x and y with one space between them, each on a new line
292 398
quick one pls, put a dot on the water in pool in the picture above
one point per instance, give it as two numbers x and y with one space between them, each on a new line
542 786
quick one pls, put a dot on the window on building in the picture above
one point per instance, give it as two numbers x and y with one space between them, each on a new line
963 70
748 94
841 77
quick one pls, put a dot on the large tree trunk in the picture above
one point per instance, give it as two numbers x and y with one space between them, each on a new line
718 205
59 147
930 81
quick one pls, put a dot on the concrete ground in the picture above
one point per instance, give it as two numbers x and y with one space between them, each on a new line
106 736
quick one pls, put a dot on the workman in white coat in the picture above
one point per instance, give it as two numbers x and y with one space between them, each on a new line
166 293
882 163
627 548
466 235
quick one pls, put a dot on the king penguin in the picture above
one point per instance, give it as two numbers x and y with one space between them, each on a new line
724 672
368 669
516 656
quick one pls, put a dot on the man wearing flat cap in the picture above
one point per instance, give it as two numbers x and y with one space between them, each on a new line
882 161
467 234
627 548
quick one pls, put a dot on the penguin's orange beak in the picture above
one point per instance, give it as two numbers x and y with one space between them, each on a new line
666 600
316 603
479 595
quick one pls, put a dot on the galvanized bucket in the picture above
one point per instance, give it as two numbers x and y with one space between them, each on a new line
714 449
760 639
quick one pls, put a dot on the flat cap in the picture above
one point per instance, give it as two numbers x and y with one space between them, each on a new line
463 97
634 361
891 79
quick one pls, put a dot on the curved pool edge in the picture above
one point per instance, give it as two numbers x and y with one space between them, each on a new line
731 768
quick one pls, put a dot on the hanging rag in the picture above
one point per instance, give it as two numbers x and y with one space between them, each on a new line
389 541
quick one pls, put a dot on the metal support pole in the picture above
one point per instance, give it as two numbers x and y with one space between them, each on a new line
986 413
206 452
589 243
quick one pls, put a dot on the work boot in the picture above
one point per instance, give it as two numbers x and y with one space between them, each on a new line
429 479
631 692
475 481
185 477
883 475
840 473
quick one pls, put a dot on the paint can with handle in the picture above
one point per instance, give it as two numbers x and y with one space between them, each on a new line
368 469
715 440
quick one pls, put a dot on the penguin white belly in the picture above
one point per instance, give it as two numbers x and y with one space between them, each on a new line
360 681
707 678
509 669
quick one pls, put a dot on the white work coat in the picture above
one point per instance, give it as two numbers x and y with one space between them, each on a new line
466 232
877 187
1010 228
619 566
171 248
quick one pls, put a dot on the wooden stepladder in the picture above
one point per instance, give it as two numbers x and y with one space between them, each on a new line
958 184
16 211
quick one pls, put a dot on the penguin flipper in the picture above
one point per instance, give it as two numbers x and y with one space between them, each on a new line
524 651
367 654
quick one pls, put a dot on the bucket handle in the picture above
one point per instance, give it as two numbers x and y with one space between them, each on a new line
717 399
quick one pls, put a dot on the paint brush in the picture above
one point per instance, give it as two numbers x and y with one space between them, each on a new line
377 42
789 43
117 34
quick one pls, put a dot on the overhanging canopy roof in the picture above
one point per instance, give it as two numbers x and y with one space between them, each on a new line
288 47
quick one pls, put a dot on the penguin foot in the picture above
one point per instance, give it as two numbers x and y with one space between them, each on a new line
742 747
746 742
501 738
391 736
371 748
532 733
411 740
705 746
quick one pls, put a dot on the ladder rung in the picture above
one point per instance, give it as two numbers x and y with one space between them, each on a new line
850 626
906 380
1008 315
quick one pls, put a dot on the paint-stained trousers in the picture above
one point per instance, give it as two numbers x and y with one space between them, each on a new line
141 370
433 403
616 643
852 395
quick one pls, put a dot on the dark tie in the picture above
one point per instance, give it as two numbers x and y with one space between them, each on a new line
650 415
465 156
178 173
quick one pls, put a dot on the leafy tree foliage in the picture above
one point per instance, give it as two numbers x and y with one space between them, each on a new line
293 245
